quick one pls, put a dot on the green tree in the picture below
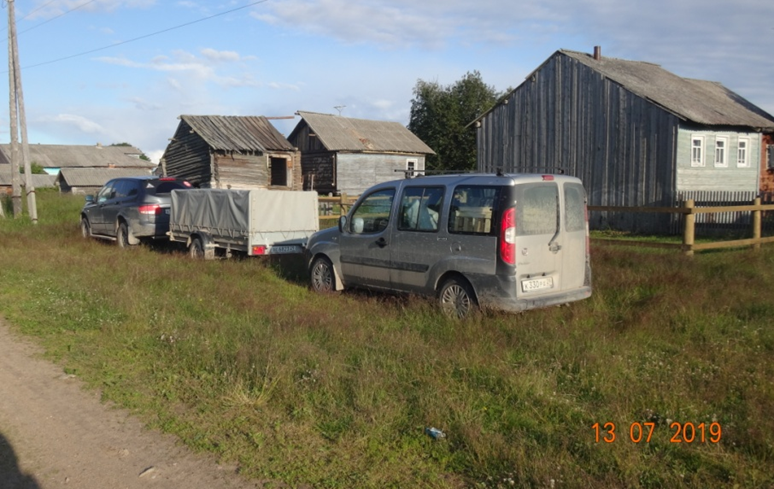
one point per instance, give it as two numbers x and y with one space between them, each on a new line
440 117
142 155
35 169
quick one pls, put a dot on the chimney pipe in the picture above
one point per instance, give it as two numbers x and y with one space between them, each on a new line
597 53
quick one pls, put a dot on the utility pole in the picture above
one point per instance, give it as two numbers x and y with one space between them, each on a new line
15 177
17 101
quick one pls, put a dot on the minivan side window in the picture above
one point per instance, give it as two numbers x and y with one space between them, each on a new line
106 192
420 208
472 209
574 205
372 215
537 209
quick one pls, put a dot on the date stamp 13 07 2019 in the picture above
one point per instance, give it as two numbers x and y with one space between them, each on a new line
642 432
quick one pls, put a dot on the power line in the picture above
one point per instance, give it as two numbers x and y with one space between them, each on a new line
54 18
146 35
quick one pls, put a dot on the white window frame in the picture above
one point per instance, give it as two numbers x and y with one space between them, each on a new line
721 152
743 153
697 162
411 167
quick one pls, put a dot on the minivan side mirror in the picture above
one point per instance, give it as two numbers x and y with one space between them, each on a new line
89 199
342 223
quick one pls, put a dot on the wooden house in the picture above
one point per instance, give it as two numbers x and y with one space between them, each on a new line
54 157
242 152
38 181
635 133
345 155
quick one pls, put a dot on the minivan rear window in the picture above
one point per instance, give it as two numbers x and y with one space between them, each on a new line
574 205
472 210
537 211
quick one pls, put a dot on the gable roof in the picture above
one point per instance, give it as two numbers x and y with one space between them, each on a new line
338 133
704 102
238 133
699 101
81 156
96 177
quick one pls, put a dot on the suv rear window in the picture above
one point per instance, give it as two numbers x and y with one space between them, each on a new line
165 187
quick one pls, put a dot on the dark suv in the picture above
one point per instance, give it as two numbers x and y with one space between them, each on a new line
129 209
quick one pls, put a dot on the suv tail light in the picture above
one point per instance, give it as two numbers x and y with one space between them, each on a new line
151 209
508 236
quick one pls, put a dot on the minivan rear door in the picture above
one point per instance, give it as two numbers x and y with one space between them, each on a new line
539 240
574 253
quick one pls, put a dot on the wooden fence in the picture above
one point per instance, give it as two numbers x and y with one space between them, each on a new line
335 207
689 212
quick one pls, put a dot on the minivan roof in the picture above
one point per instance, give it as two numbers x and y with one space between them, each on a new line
507 179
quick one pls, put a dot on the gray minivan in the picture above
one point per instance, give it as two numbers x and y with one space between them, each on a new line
507 241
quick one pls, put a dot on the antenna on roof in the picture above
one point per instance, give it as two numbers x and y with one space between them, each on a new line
340 108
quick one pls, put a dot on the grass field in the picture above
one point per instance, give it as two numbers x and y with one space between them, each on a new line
241 359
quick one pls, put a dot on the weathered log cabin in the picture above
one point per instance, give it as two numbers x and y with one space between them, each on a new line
242 152
635 133
345 155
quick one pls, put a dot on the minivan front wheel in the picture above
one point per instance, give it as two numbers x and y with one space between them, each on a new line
85 229
322 275
456 298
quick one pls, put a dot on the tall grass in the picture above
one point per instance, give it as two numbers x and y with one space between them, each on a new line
241 359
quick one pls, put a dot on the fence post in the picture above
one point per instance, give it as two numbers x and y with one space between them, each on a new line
756 222
343 200
689 231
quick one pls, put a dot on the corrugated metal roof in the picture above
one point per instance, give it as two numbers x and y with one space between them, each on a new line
338 133
238 133
703 102
74 156
97 177
38 181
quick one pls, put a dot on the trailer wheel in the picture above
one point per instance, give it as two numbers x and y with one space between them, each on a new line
196 249
322 275
456 298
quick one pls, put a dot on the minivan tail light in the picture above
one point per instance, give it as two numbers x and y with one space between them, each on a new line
151 209
508 236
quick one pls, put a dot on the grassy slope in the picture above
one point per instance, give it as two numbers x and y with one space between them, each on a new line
335 391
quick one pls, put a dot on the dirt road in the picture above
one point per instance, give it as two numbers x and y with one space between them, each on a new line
54 434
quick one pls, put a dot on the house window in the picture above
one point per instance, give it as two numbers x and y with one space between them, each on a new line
741 152
697 151
411 166
721 144
770 155
279 172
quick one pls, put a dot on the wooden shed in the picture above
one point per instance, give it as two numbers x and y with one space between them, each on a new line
242 152
54 157
90 180
635 133
345 155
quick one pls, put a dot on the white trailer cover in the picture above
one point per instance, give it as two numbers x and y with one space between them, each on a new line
247 218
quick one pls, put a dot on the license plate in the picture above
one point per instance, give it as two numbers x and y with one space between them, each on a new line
537 284
281 250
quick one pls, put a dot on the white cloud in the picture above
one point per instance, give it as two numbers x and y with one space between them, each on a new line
73 121
219 56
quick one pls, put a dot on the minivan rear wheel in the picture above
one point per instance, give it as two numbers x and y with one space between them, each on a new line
456 298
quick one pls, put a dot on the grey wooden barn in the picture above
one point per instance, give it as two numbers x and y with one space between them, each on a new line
345 155
242 152
635 133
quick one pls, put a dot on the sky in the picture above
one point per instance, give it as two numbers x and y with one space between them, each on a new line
115 71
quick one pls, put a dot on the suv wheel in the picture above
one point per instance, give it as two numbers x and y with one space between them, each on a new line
85 228
122 235
456 298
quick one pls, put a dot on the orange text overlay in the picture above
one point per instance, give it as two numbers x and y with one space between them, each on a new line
642 432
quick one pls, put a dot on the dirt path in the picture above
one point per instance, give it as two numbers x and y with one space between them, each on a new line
54 434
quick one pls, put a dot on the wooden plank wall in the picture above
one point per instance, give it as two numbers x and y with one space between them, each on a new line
188 157
568 116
